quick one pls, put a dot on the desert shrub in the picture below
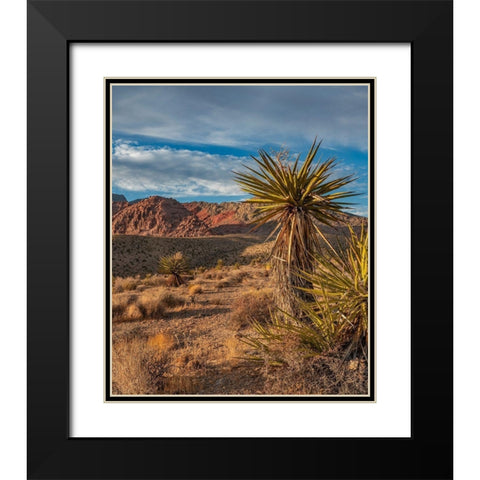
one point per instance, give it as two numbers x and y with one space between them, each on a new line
152 306
237 277
124 284
220 264
119 304
170 300
195 289
154 280
253 306
132 313
236 265
222 284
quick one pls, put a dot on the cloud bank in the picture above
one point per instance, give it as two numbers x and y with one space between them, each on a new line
175 172
182 172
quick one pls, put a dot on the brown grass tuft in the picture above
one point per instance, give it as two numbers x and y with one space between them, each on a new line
171 300
125 284
223 283
131 360
254 305
151 305
155 281
132 313
162 342
195 289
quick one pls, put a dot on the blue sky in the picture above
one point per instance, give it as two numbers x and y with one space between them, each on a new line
185 141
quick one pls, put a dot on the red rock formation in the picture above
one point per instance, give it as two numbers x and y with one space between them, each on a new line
166 217
117 206
158 216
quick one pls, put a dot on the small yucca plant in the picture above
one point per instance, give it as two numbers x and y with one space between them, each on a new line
174 265
294 195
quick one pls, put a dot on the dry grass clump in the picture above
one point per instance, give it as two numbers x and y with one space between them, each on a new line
131 360
255 305
119 304
234 350
151 305
195 289
319 375
161 343
170 300
222 284
154 281
238 277
132 313
124 284
125 309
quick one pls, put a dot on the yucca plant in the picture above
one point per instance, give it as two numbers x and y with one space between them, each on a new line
340 289
337 318
174 265
294 195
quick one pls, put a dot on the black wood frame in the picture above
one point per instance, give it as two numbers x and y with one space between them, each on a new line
428 26
371 223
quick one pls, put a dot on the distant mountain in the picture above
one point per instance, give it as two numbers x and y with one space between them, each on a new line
227 217
166 217
118 198
158 216
119 202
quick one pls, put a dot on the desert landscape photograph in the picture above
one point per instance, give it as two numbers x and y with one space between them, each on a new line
239 240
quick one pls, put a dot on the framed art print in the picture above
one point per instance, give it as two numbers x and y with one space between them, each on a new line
242 250
216 292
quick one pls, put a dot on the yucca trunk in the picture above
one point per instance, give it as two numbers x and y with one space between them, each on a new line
292 253
177 279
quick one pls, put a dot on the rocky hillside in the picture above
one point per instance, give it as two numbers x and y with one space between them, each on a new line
158 216
227 217
166 217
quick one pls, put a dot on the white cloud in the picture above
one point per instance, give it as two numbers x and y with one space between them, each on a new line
188 173
176 172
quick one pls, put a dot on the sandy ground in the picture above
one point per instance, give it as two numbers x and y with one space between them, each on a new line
200 347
